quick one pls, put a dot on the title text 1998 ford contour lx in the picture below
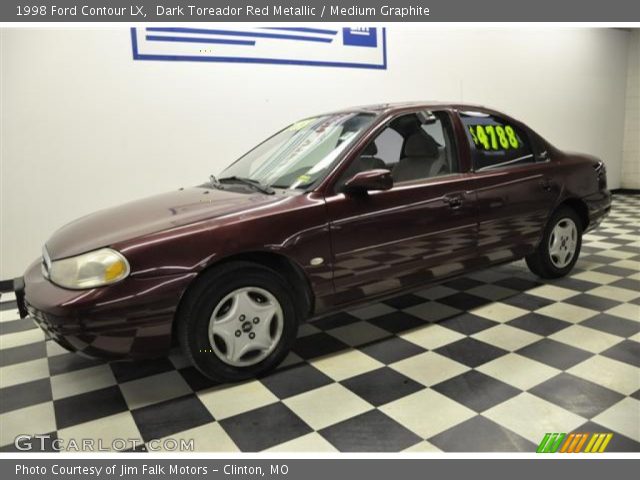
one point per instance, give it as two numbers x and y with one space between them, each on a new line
332 211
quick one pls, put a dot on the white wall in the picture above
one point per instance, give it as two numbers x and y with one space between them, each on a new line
85 127
631 146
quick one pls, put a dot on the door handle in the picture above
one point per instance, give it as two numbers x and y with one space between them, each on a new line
454 201
545 183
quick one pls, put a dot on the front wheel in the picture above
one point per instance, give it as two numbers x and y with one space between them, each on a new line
560 246
237 322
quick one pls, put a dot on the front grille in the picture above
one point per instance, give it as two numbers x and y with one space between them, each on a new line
44 323
50 325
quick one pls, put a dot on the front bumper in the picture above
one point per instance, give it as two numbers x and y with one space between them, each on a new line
18 290
128 320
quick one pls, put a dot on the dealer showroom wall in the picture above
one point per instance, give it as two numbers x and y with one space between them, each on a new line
84 126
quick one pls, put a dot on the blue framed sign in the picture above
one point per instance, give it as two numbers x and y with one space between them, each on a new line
361 47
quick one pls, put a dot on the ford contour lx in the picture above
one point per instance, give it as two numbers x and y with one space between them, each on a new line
332 211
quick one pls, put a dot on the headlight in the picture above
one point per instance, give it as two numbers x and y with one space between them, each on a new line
89 270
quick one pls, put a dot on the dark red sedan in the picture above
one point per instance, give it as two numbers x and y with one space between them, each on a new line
332 211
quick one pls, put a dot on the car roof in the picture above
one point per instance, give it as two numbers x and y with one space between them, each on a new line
395 106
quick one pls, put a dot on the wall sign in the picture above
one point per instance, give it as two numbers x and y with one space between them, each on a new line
324 47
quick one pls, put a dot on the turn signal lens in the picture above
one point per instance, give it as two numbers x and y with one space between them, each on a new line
114 271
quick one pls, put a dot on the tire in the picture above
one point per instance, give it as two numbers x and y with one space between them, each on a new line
550 262
219 318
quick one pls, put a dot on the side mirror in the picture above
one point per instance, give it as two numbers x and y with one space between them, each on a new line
369 180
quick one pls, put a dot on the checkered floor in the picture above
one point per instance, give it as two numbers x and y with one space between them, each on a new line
487 362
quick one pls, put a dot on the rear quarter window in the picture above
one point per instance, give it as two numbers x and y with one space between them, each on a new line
495 142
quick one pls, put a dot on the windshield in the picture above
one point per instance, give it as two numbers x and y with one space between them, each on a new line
302 153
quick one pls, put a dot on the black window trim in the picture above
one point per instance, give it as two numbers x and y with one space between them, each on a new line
537 141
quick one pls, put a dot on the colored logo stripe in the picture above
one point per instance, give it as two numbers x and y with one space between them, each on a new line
574 442
598 442
550 443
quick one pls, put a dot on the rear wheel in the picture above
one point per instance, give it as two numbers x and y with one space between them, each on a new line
560 246
237 322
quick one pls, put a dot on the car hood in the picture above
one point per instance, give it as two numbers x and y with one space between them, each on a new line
149 215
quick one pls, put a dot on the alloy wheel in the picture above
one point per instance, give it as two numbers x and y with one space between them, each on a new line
563 242
245 326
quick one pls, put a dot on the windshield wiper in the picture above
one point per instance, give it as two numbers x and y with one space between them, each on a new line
249 182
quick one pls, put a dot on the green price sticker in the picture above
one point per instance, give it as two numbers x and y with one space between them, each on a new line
494 137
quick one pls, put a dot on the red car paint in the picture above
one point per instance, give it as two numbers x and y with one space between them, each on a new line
451 225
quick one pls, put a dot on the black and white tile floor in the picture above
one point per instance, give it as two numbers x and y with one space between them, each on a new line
487 362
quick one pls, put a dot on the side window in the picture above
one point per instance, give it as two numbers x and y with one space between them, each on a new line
388 146
495 143
413 147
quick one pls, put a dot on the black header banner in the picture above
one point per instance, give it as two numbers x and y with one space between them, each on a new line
624 11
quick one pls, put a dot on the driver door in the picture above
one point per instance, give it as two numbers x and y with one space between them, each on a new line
423 228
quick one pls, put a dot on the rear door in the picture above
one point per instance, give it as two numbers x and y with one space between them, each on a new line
515 192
